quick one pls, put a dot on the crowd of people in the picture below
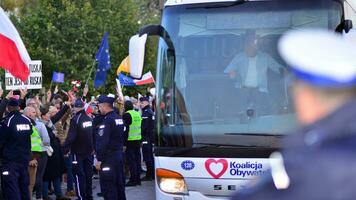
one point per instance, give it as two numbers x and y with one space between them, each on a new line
64 139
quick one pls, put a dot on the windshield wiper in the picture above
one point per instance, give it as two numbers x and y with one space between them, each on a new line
224 5
255 134
176 152
227 145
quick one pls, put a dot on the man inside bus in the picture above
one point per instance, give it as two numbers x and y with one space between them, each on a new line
249 71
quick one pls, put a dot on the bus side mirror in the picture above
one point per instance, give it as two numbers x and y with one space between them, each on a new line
345 25
137 55
348 25
137 47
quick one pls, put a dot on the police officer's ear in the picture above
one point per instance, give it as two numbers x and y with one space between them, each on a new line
307 105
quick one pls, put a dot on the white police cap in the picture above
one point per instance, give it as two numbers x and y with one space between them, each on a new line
111 95
320 57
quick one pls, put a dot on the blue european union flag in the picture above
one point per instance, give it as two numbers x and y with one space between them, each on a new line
103 59
126 81
58 77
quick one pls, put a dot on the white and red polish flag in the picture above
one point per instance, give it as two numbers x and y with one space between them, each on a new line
13 54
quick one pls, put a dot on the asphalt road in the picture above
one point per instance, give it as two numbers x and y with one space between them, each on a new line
146 191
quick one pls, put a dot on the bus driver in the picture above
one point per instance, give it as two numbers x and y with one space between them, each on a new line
249 71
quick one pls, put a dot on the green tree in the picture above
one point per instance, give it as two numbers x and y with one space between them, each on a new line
66 34
11 4
150 13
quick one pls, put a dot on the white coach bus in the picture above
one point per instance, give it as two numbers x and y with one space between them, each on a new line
223 96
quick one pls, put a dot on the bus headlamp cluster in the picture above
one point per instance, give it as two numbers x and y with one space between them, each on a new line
171 182
173 185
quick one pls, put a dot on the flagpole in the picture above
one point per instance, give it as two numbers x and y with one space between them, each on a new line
122 92
50 85
91 69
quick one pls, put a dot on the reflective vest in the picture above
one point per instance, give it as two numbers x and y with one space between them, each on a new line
135 127
35 140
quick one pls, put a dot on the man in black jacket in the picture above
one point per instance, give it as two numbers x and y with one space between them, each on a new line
147 137
15 146
80 144
109 151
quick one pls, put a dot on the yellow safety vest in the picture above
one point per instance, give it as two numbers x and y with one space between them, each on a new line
135 127
35 140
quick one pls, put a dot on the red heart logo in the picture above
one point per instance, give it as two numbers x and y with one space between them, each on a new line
211 161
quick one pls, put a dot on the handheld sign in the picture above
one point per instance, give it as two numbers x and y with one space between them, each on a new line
34 81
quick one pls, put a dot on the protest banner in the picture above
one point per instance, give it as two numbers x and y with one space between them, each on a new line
34 81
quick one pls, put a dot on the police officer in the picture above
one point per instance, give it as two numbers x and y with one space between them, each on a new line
97 121
15 146
109 151
147 137
3 131
318 161
133 120
80 144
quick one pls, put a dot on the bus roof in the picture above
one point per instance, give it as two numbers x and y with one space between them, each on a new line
181 2
352 3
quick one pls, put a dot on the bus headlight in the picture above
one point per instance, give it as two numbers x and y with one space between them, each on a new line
171 182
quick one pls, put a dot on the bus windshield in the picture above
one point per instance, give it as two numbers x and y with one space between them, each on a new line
227 84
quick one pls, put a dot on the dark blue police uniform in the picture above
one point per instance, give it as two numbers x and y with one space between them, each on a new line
147 128
320 162
97 120
80 143
109 151
15 146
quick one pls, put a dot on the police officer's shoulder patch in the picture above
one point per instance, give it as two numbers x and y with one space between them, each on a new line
23 127
87 124
119 122
101 132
